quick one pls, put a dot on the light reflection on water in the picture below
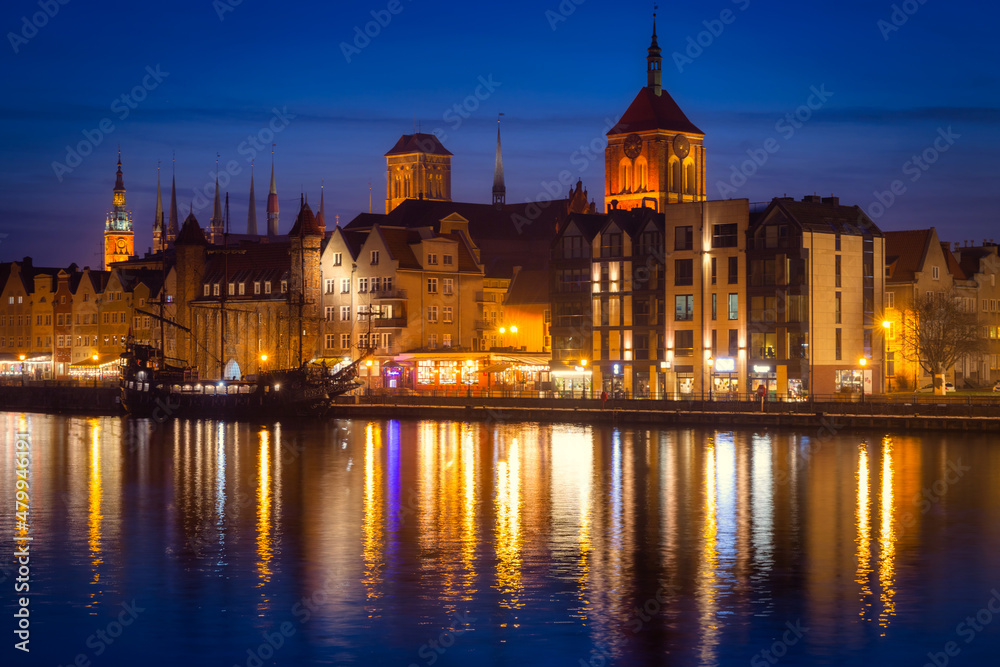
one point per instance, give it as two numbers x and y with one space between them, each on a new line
562 542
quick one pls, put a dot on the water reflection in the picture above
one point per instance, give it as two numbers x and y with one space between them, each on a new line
385 531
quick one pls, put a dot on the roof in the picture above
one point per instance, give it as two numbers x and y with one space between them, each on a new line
650 111
529 287
905 253
824 216
418 143
305 223
249 262
954 268
191 233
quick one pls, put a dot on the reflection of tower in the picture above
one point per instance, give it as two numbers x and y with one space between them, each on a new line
654 152
272 204
499 188
417 167
119 237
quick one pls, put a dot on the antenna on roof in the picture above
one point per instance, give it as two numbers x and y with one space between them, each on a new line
369 195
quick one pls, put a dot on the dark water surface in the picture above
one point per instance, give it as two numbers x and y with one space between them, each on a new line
443 543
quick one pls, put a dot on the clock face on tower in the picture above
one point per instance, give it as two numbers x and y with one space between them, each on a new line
122 246
633 146
681 146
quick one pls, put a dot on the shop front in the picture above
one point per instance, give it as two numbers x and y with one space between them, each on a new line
572 381
98 368
763 374
725 384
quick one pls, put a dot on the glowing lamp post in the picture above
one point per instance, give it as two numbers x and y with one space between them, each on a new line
97 369
711 378
886 326
862 362
263 360
22 369
368 363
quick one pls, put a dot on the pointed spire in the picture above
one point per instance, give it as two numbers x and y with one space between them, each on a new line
216 224
499 188
119 183
172 226
252 215
272 202
654 62
158 228
321 215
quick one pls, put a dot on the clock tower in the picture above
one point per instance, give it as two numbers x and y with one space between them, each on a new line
655 155
119 239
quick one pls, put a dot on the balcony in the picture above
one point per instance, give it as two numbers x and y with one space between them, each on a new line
389 322
392 294
483 325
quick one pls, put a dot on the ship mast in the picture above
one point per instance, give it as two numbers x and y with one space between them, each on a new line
224 292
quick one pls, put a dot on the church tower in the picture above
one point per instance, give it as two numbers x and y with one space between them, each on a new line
655 154
417 167
159 230
216 226
499 188
272 204
172 221
119 237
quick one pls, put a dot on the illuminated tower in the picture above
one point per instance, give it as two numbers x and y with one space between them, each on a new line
418 167
119 237
272 204
499 189
655 155
158 229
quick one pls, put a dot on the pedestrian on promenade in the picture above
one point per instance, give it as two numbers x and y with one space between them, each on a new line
761 392
604 399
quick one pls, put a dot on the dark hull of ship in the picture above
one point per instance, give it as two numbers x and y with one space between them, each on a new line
162 405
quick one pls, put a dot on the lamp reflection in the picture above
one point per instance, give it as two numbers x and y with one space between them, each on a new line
508 528
265 547
707 594
373 524
864 530
887 539
95 496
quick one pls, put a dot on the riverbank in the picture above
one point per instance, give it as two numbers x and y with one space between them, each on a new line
922 414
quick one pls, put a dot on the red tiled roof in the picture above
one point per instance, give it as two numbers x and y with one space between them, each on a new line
649 111
906 251
953 266
418 143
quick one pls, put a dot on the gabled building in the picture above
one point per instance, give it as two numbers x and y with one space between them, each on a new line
816 290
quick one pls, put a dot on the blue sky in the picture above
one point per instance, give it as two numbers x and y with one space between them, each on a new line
559 71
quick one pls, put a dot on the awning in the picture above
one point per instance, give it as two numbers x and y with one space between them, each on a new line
102 360
498 367
523 359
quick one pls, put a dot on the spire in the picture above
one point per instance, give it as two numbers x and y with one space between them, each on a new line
499 189
272 202
215 225
252 215
172 227
158 229
119 183
654 68
321 215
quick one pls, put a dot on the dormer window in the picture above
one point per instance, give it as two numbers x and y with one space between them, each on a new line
232 289
448 260
267 287
374 256
284 286
215 289
243 289
207 290
432 258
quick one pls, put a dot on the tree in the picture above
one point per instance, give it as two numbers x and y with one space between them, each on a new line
939 331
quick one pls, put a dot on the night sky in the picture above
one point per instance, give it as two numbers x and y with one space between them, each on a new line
559 73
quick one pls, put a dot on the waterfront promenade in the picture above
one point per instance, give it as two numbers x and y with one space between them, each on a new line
896 411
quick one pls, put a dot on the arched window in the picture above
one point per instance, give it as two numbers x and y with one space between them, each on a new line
675 176
625 175
689 177
641 174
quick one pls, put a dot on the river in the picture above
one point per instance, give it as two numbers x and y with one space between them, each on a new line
447 543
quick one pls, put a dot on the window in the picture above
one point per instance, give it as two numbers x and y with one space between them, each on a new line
683 308
836 308
331 341
724 236
362 284
284 285
836 242
684 343
59 319
734 270
890 299
207 290
215 289
330 283
432 341
345 285
267 287
448 286
447 314
374 256
432 258
256 287
683 272
345 341
387 284
338 258
837 345
448 260
446 340
836 272
329 311
386 340
935 273
734 306
715 306
363 340
243 289
683 238
345 313
432 285
714 270
107 318
890 364
432 313
734 342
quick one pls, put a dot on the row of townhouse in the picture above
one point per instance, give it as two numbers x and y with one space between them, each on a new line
59 322
712 298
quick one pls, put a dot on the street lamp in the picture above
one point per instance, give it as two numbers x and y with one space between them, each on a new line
263 360
711 378
887 326
862 362
368 363
22 369
97 369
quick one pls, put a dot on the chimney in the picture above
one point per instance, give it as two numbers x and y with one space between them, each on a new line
832 201
812 199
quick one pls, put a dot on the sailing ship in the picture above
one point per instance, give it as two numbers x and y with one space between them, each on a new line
153 384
